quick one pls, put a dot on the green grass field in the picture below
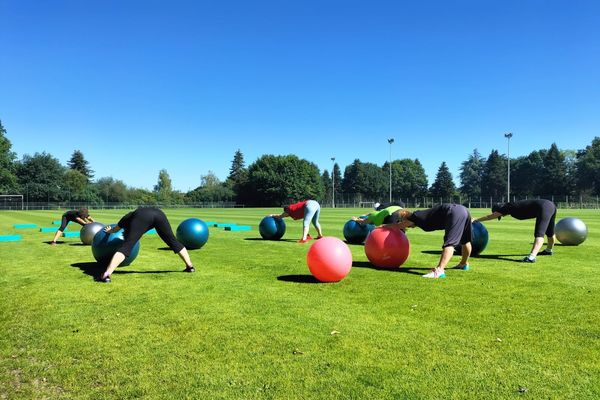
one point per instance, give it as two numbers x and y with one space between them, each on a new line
251 324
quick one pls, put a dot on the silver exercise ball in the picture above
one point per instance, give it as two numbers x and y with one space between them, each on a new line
88 231
571 231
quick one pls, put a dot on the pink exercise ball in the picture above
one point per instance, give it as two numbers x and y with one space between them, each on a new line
387 247
329 259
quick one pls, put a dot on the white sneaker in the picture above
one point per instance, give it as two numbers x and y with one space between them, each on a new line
435 274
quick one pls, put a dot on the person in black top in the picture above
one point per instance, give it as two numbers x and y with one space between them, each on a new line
81 216
136 223
455 220
544 212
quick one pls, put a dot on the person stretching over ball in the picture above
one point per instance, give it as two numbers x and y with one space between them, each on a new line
386 215
544 212
308 211
81 216
455 220
136 223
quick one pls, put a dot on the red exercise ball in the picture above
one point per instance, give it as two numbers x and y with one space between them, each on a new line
387 247
329 259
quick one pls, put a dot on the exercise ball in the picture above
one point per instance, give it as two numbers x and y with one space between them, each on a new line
272 228
387 247
105 245
571 231
329 259
88 231
192 233
479 239
356 233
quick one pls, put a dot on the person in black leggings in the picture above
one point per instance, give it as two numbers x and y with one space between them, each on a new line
136 223
544 212
80 216
455 220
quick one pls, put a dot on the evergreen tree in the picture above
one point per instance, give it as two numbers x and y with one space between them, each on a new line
494 177
443 186
238 173
588 167
525 175
79 163
327 185
337 181
471 172
8 179
554 174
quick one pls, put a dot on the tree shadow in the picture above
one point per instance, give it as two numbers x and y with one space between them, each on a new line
298 278
401 269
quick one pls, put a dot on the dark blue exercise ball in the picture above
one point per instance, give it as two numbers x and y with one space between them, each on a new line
192 233
479 239
272 228
356 233
105 245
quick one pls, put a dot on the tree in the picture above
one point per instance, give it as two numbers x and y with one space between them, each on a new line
210 190
163 188
41 177
327 185
554 175
278 180
471 173
493 179
111 190
8 179
364 180
408 178
76 184
238 174
79 163
443 186
336 178
588 167
525 175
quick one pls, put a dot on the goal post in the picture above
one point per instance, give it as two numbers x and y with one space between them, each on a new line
11 202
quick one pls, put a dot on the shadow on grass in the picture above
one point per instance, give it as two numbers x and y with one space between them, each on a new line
484 256
404 270
267 240
95 269
78 244
354 244
57 242
298 278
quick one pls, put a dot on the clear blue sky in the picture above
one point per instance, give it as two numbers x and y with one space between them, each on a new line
139 86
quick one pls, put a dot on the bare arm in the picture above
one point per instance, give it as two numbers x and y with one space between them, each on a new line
282 215
112 229
491 216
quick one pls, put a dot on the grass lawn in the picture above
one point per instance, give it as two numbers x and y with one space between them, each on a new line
252 324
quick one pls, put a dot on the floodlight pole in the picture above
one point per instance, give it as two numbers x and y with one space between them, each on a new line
508 136
333 183
390 141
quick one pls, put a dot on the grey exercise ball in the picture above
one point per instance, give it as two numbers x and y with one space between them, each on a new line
88 231
571 231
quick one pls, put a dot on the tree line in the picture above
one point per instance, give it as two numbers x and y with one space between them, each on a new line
275 180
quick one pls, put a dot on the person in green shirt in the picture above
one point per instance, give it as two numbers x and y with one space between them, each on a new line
388 215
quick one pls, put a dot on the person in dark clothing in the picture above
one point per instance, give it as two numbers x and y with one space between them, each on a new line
80 216
136 223
455 220
544 212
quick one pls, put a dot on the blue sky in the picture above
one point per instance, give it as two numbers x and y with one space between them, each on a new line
140 86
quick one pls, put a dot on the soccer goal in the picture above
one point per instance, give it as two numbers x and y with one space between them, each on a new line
11 202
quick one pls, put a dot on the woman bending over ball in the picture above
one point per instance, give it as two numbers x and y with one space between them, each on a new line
81 216
455 220
544 212
388 215
136 223
308 211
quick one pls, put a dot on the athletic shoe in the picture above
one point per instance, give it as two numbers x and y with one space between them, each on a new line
52 243
462 267
189 269
528 260
303 240
319 237
308 237
545 252
104 279
435 274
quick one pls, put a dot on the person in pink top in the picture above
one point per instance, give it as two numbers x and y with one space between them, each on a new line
308 211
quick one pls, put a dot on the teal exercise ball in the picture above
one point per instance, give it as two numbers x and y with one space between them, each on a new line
105 245
192 233
271 228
